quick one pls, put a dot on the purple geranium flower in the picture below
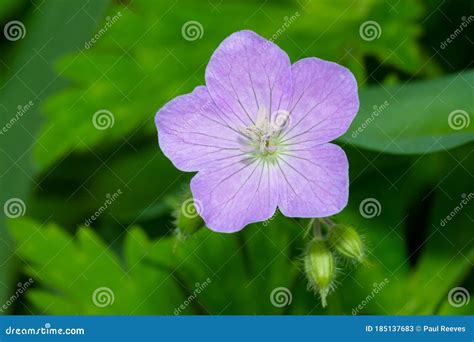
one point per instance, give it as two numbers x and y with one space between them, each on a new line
258 134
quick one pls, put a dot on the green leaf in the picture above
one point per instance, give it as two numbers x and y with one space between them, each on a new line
158 64
402 185
207 273
414 118
211 273
26 70
360 29
8 7
448 249
74 272
145 178
463 305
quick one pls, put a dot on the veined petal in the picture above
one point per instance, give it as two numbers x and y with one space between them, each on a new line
247 73
325 102
235 195
313 182
194 134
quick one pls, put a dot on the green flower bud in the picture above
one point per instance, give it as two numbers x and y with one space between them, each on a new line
347 242
320 268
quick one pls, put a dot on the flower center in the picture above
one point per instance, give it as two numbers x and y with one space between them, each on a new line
263 136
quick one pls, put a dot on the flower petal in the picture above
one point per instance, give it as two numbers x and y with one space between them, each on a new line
194 134
314 182
325 102
235 195
248 72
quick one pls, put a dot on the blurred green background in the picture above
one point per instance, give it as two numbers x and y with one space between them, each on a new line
68 60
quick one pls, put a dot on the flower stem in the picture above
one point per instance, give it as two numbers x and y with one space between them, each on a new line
328 222
315 226
308 228
317 229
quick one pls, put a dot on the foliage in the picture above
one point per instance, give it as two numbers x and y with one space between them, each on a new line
407 157
147 42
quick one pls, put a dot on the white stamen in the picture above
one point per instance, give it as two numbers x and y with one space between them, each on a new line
262 118
263 133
